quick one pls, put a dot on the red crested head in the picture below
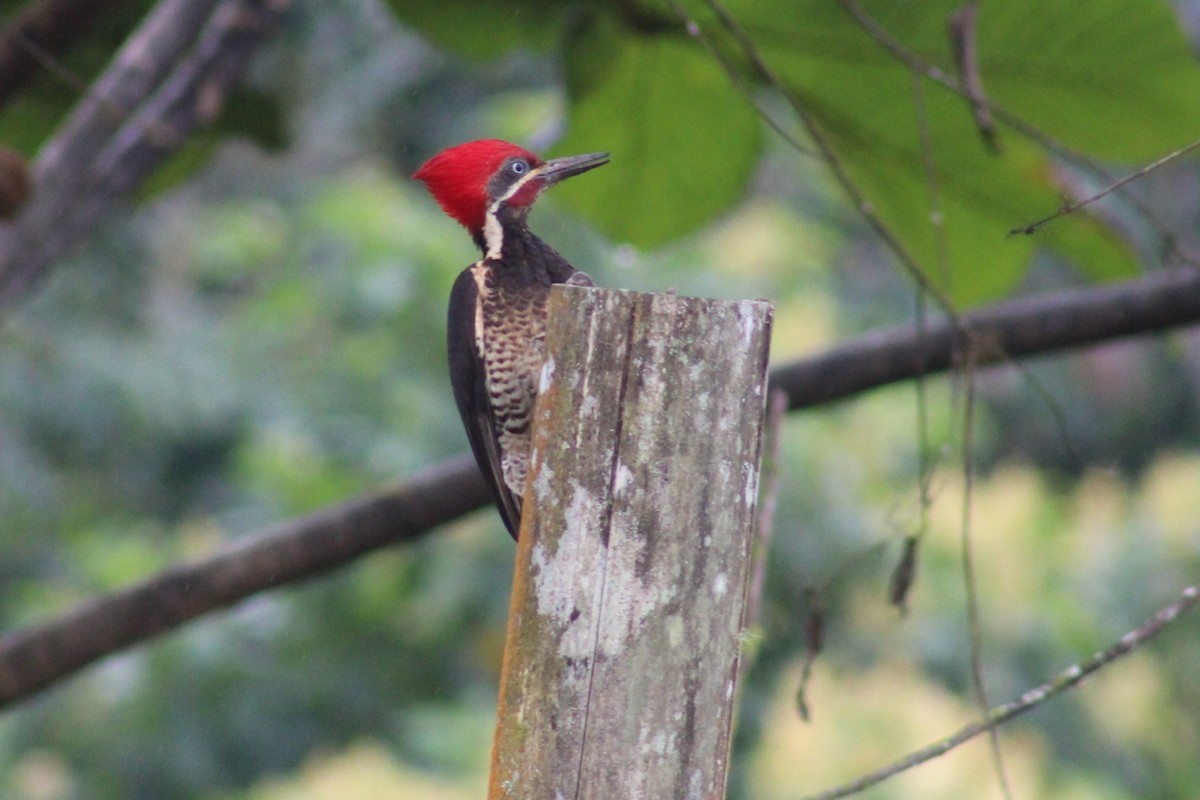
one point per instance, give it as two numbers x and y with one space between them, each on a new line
468 178
458 177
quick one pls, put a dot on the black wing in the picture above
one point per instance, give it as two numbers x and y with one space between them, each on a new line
470 393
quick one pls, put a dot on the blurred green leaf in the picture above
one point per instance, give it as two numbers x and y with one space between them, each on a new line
684 144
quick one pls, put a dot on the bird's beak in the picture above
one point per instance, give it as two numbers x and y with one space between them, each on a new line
556 169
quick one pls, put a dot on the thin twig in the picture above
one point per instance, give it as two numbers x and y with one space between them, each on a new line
41 56
964 39
938 223
938 75
904 573
32 37
1070 208
1066 679
817 597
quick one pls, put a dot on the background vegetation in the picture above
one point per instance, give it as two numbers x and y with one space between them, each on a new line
258 334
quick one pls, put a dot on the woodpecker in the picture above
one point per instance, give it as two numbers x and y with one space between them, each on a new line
496 324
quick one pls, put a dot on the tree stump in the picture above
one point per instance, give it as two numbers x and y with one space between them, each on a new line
626 618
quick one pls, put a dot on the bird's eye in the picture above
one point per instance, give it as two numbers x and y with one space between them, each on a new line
518 167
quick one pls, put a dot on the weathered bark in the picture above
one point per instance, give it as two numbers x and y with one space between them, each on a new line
1029 326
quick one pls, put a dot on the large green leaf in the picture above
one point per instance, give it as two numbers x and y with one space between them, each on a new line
1078 72
684 144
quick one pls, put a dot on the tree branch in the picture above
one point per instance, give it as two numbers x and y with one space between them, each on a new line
39 656
170 76
34 658
1039 325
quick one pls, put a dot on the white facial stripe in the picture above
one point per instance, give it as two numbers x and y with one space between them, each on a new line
493 233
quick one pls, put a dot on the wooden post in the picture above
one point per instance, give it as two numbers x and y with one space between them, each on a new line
626 617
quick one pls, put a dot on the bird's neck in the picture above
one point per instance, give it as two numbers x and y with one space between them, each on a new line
505 233
509 245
